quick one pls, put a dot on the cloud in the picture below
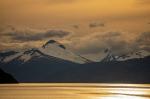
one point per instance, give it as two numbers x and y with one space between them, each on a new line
98 42
93 25
117 42
11 46
143 41
93 43
26 36
20 38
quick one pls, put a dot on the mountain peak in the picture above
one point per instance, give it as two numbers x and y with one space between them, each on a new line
49 42
110 56
56 49
50 49
53 42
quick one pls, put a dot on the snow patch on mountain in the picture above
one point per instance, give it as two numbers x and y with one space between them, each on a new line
12 57
109 56
56 49
29 54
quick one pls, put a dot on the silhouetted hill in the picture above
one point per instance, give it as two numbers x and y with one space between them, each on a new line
6 78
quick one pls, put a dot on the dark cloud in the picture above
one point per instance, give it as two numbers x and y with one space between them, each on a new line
29 36
93 25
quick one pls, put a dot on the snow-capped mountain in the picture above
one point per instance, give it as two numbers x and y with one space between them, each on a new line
51 48
109 56
53 62
55 49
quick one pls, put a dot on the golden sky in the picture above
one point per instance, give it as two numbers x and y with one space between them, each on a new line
67 11
84 19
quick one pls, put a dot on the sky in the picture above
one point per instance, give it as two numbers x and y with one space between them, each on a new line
86 27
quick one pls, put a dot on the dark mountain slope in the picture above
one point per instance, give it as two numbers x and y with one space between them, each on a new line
52 70
38 69
131 71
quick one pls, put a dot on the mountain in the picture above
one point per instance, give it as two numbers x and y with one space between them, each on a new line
6 78
53 48
110 56
45 70
38 64
130 71
49 49
39 69
53 62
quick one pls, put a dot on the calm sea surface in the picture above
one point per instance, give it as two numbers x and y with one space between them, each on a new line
75 91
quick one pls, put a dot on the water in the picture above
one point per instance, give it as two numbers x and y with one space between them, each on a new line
75 91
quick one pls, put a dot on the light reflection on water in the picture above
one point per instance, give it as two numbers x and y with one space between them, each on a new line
75 91
120 97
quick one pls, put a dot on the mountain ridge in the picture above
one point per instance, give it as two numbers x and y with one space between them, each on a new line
51 48
53 63
123 57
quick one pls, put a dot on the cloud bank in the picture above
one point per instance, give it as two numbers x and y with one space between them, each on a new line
26 36
117 42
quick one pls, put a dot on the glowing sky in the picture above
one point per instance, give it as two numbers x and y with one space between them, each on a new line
66 11
90 24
